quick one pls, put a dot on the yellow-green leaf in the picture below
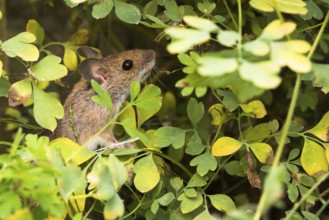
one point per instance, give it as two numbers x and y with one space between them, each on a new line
80 37
321 130
21 46
264 74
216 66
313 158
147 174
200 23
70 58
19 92
34 27
49 68
46 109
290 7
114 208
263 152
257 47
290 54
225 146
222 203
277 30
228 38
71 151
184 39
256 108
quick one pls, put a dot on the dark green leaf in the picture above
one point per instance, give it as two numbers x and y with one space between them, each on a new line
169 135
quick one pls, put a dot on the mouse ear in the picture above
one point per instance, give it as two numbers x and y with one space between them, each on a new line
89 52
92 69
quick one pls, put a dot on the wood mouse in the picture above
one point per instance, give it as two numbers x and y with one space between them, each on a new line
83 117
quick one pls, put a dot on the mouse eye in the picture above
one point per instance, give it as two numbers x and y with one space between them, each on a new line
127 65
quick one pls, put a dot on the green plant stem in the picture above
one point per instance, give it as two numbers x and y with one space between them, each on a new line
286 126
239 45
304 197
231 15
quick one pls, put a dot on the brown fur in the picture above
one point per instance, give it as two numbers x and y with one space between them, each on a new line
83 117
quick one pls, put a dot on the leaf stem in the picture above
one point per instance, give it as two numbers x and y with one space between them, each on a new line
231 15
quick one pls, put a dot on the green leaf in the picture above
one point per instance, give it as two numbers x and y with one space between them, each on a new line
46 109
290 54
216 66
20 45
263 152
147 174
310 216
9 201
148 103
71 151
229 99
258 133
222 203
205 215
255 108
321 129
157 22
234 168
292 192
172 11
128 13
114 208
189 61
194 145
290 7
197 181
205 163
34 27
150 8
169 135
135 88
49 68
4 87
102 98
118 172
102 9
129 126
200 23
263 74
19 92
228 38
190 204
176 183
321 77
225 146
206 7
313 158
166 199
73 3
184 39
72 180
100 178
313 11
195 111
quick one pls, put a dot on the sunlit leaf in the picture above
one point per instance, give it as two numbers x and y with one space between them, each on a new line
200 23
205 215
34 27
21 46
263 74
19 92
189 204
46 109
49 68
257 47
218 114
277 30
225 146
147 174
184 39
222 203
321 130
290 54
256 108
290 7
72 151
166 199
313 158
228 38
216 66
128 13
70 58
263 152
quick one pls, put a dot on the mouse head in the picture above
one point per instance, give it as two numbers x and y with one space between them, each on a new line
131 65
